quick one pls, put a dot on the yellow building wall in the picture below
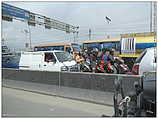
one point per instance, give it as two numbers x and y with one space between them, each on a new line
147 39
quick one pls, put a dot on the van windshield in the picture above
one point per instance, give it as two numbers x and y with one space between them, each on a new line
63 56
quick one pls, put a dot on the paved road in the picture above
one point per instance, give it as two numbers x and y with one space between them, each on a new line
96 96
18 103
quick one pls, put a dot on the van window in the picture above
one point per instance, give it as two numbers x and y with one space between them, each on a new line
49 57
138 60
63 56
68 49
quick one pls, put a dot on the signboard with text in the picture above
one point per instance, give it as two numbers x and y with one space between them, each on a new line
14 11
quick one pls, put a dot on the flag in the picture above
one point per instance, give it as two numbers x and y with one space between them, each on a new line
26 31
108 19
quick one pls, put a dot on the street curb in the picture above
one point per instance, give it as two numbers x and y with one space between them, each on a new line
55 95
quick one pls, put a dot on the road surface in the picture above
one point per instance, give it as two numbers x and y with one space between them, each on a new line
19 103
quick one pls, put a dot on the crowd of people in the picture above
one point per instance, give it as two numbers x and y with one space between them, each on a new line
93 56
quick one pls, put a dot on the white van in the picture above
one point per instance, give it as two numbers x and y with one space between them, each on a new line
48 61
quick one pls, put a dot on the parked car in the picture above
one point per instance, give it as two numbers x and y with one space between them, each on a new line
146 62
10 61
48 61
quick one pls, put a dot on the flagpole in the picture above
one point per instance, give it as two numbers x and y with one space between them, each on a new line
108 21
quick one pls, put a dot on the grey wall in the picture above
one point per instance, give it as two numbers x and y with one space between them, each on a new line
93 81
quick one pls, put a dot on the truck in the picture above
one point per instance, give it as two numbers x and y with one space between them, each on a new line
47 61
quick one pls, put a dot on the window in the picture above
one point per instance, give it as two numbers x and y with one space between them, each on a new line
39 49
128 45
5 59
93 45
68 49
108 45
117 46
138 60
58 48
63 56
85 46
13 59
49 57
76 47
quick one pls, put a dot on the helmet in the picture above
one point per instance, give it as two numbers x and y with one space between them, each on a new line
95 50
112 50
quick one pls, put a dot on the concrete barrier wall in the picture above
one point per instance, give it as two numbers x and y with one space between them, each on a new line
31 76
93 81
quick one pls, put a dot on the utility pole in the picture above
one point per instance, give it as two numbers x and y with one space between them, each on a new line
151 14
30 38
3 41
155 29
155 17
108 20
74 36
89 34
77 36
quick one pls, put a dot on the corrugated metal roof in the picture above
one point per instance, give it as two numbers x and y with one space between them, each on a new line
102 40
53 44
137 34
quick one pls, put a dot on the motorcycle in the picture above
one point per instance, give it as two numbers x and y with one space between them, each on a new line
86 67
116 67
102 67
120 66
99 68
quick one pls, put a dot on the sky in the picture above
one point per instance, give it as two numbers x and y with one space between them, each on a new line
127 17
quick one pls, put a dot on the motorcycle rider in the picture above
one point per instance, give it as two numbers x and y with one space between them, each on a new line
111 56
79 59
105 56
93 57
99 56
